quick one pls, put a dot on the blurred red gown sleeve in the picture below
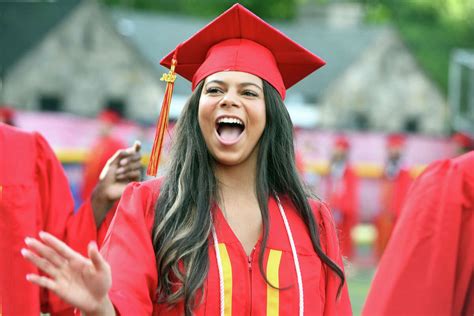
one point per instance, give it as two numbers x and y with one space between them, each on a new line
330 244
77 230
427 268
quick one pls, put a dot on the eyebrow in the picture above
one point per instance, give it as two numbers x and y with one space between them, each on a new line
243 84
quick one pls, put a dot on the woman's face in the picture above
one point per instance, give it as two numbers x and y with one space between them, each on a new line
232 115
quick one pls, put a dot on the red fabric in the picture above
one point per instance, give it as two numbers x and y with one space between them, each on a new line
393 194
104 148
34 196
128 248
342 142
396 141
343 202
428 266
109 116
241 41
7 114
463 140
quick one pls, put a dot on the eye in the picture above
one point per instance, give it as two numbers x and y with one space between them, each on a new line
213 90
250 93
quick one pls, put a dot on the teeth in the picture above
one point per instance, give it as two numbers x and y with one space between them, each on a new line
230 120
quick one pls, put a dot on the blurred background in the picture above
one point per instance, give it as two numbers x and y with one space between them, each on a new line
396 94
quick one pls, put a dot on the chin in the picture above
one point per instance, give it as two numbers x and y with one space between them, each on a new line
229 160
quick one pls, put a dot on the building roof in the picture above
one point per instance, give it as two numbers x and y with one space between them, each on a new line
25 24
155 35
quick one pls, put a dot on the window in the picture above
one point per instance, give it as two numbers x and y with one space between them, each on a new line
51 102
116 104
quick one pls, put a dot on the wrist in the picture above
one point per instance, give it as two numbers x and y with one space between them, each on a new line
103 308
100 203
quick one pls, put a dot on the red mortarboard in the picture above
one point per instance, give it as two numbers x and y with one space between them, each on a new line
109 116
341 142
463 139
237 40
395 140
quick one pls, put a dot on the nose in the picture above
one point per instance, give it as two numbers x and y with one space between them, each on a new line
230 98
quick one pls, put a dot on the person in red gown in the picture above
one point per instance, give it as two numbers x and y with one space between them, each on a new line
342 190
35 196
428 265
230 229
101 151
395 182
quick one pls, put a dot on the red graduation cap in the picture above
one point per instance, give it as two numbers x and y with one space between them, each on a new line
342 142
7 114
463 140
109 116
395 141
237 40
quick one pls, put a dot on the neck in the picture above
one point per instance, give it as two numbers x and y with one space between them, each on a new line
238 179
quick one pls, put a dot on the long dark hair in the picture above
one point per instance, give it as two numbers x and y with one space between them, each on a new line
183 219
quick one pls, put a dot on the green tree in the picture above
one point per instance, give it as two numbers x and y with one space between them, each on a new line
276 9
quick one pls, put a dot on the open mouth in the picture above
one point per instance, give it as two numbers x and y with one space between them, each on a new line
229 128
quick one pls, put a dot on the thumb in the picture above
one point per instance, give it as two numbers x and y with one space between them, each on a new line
97 260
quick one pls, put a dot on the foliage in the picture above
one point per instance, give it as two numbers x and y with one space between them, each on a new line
275 9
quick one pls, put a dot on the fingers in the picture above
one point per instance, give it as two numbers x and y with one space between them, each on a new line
131 171
41 281
42 264
45 251
97 260
126 160
137 145
60 247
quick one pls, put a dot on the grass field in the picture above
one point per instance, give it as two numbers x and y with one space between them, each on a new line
359 282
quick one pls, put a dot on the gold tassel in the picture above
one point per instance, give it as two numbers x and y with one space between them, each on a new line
162 123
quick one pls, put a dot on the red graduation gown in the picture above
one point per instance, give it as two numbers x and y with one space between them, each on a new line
342 200
34 196
128 248
428 266
393 193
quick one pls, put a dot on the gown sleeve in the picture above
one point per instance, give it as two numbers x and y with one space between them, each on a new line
128 249
427 268
57 215
334 305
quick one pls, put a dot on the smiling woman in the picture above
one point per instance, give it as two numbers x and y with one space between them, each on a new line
230 229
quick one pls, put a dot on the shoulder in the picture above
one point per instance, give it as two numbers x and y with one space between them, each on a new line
17 139
321 212
141 195
326 224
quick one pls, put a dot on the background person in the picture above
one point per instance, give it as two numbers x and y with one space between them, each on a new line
35 196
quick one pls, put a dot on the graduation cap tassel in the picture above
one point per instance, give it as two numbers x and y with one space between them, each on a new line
162 123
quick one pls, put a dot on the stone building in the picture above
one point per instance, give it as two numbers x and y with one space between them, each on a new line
95 55
68 56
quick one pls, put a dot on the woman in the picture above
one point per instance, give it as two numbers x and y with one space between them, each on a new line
230 230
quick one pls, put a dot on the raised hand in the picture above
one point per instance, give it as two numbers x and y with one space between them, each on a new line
123 167
80 281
